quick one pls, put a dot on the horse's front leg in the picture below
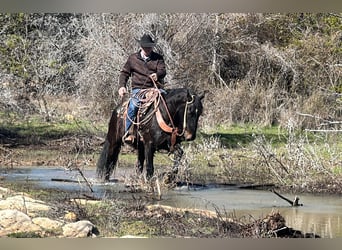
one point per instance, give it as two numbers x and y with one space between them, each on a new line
178 153
149 154
170 176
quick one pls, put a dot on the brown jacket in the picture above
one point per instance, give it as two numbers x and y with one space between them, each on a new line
140 70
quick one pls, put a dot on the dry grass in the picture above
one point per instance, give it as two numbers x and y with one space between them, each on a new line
304 162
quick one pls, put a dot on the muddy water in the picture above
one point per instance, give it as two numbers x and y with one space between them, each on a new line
320 214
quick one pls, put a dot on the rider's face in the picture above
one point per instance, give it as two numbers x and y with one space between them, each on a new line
147 50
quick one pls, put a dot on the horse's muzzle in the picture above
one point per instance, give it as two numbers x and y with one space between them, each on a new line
188 135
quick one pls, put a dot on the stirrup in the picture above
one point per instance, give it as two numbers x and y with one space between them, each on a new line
128 138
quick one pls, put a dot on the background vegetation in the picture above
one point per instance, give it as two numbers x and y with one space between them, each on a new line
259 70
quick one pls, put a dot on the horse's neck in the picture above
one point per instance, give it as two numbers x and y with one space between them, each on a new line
175 107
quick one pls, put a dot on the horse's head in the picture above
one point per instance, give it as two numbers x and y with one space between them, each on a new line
193 110
185 108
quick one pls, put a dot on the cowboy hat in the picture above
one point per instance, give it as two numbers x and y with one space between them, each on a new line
146 41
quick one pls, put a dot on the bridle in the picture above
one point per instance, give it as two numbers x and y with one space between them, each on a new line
172 129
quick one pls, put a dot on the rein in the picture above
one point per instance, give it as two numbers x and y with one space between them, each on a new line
173 130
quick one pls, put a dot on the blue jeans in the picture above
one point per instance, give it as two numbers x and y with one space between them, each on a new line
133 107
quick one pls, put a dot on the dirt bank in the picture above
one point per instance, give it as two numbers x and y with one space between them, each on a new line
134 217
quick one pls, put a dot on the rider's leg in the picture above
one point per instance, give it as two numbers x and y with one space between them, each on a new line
132 111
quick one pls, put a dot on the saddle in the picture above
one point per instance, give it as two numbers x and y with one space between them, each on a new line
148 97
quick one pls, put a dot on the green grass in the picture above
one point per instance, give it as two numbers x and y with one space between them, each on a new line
243 135
24 235
14 126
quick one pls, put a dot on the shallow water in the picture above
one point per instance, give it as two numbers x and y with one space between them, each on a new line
320 214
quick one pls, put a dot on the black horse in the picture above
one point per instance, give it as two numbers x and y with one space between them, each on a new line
173 118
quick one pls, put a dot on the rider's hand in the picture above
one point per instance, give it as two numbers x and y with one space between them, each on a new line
154 77
122 91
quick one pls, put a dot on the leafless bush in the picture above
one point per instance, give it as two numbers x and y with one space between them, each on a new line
259 68
244 104
304 165
112 37
205 161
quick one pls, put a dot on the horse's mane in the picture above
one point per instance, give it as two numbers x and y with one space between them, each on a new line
176 90
174 95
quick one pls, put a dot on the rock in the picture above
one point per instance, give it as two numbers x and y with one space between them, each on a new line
23 203
16 214
70 216
14 221
47 223
4 191
79 229
86 201
128 236
9 217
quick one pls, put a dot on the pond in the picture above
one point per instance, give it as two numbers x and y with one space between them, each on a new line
320 214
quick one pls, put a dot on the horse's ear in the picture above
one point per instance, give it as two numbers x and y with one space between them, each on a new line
189 95
202 94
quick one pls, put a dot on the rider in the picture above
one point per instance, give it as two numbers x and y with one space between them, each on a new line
145 68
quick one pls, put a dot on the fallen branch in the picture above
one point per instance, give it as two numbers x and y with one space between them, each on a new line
73 166
86 180
293 203
64 180
323 130
325 122
256 186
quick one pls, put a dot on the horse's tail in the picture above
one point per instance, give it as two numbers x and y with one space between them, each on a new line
101 166
111 148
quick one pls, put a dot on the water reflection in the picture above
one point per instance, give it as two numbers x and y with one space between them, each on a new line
328 225
319 214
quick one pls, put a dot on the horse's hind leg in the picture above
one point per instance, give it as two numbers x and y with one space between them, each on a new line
141 158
